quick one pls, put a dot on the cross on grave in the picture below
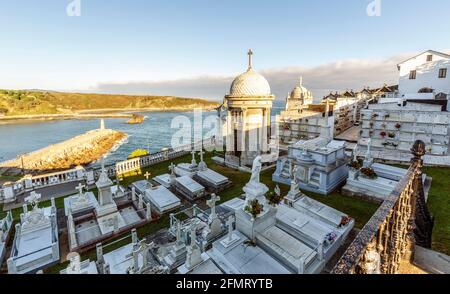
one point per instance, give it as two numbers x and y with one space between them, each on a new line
80 188
33 199
212 203
147 175
201 155
230 222
193 162
172 168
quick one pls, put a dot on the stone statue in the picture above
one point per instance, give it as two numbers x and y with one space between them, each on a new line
256 170
355 155
371 260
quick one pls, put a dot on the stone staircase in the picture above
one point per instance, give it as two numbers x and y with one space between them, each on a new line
315 180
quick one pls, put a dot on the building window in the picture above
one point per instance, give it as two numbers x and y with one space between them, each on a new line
412 74
442 73
429 58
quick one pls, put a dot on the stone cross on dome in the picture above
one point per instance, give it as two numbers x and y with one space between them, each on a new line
250 59
301 81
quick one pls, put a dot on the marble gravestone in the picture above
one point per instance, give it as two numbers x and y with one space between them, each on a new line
79 203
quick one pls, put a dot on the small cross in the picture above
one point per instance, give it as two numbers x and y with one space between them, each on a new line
230 226
147 175
33 198
250 61
212 202
172 168
80 188
201 155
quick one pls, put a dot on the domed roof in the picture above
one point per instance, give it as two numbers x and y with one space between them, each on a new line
250 83
299 91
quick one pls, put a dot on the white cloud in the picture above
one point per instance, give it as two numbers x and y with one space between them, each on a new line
336 76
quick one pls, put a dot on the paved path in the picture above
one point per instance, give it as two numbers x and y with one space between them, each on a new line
47 193
350 135
432 262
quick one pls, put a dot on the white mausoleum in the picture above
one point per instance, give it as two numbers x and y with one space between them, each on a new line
245 116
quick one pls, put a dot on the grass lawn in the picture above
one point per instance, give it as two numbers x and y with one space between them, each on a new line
439 205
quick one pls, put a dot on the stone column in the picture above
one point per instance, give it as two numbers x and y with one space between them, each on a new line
133 194
140 203
134 237
243 130
148 214
99 251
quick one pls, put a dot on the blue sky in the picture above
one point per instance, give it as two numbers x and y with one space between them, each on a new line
115 45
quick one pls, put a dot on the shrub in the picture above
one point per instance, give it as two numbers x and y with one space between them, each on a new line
274 199
254 208
368 172
138 153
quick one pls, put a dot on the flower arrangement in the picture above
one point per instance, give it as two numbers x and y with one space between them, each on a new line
391 135
375 115
383 134
344 221
371 124
330 237
355 164
398 126
274 199
361 132
286 127
368 172
254 208
387 116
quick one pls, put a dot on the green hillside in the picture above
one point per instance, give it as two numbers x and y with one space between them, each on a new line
41 102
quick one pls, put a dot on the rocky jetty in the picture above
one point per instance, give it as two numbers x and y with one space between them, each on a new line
80 150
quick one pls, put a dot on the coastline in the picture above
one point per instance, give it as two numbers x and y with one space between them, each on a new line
125 113
79 150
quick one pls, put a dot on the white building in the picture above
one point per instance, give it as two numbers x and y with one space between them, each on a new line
245 115
425 76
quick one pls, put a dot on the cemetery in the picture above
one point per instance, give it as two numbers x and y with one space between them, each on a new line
91 220
36 240
304 217
5 232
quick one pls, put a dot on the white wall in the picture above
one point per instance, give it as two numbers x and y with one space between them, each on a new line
427 74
